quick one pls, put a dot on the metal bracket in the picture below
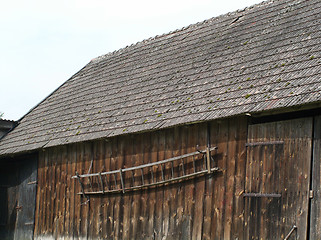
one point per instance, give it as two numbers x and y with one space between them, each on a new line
33 182
269 195
19 208
291 231
311 194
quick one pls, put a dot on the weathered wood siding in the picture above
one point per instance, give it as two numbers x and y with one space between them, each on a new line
272 159
208 207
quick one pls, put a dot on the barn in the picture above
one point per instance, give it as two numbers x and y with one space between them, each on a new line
207 132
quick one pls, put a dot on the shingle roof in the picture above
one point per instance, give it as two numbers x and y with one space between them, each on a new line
263 57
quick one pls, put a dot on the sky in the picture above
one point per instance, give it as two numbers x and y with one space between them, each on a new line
43 43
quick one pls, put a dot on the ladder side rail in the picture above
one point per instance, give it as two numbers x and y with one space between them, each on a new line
146 165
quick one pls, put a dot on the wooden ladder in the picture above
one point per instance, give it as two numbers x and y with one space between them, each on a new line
114 181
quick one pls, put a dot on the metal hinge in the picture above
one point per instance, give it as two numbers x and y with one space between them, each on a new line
33 182
18 208
311 194
291 231
29 223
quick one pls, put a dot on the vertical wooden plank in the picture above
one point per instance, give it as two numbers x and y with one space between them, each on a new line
73 192
173 150
292 175
78 221
96 209
248 178
303 177
263 174
230 173
219 137
284 179
62 206
199 187
238 213
108 199
127 197
269 215
116 161
52 193
209 187
315 217
119 199
159 190
136 197
278 158
100 166
153 209
58 184
90 214
182 137
68 191
55 190
189 202
147 203
86 206
39 199
168 139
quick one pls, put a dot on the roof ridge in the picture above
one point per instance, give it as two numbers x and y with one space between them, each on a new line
148 40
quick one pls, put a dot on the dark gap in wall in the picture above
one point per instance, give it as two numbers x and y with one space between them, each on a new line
284 116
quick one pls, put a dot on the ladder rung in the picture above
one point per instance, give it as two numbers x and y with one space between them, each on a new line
141 170
152 174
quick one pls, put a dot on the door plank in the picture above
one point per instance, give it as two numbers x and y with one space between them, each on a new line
315 223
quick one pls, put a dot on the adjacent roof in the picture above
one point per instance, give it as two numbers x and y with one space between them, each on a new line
263 57
6 126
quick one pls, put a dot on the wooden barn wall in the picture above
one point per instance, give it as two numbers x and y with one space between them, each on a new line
207 207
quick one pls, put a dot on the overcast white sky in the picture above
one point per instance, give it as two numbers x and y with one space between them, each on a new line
43 43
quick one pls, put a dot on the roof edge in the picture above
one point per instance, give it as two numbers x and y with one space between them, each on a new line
31 109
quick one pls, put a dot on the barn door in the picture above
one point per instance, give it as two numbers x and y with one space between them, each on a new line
277 181
26 199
